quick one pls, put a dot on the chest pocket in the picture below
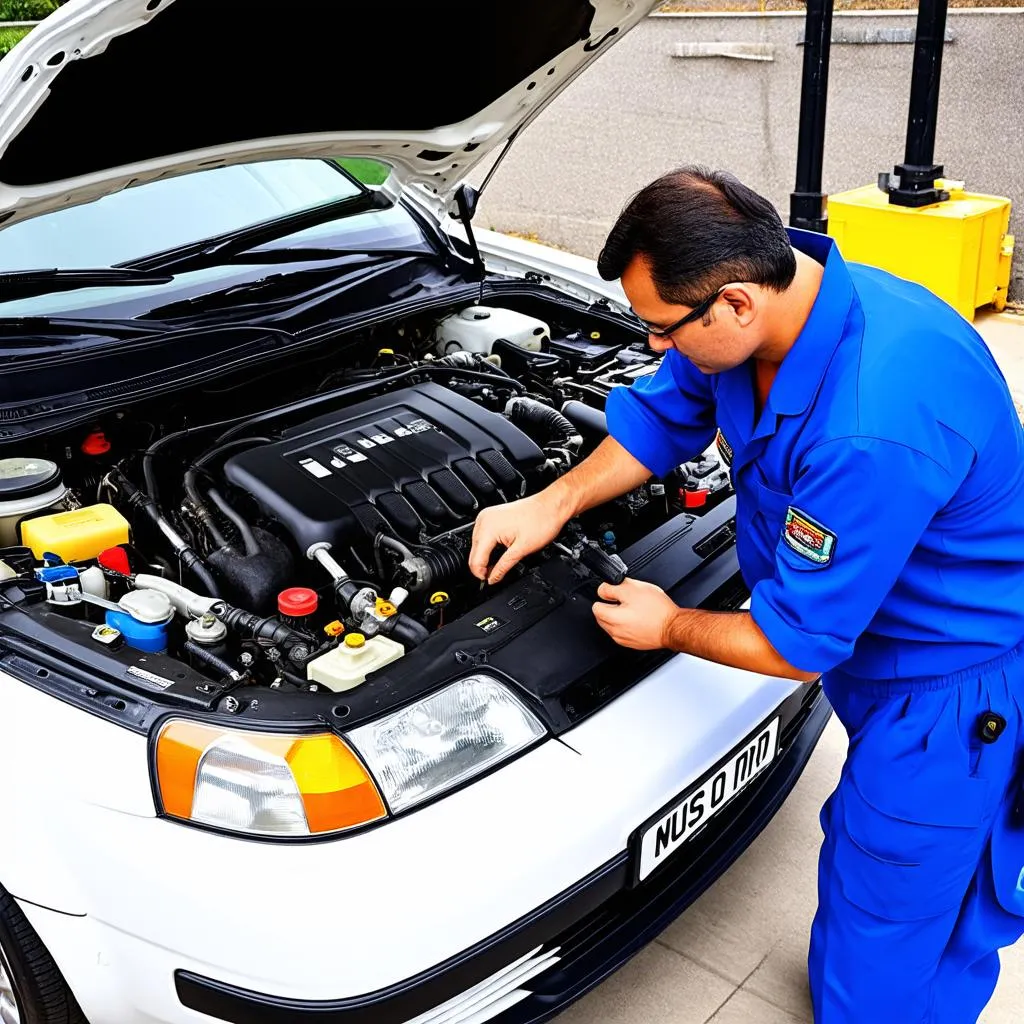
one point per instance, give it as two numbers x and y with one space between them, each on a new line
771 508
761 529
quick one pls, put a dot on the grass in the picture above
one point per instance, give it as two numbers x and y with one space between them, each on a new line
10 36
369 172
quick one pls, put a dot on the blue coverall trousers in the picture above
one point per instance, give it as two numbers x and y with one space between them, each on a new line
921 874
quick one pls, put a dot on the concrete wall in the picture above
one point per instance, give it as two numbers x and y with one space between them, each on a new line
640 111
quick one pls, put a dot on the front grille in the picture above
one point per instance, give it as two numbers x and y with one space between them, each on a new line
493 995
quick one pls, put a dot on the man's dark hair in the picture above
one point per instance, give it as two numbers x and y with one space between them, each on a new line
698 230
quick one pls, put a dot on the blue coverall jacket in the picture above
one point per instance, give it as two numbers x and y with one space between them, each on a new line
880 515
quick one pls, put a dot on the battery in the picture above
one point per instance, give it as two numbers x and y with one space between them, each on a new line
581 350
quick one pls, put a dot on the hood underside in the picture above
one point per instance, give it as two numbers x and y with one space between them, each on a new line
105 94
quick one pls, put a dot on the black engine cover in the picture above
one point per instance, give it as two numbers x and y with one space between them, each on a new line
414 463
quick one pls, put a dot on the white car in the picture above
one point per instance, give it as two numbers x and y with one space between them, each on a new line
268 752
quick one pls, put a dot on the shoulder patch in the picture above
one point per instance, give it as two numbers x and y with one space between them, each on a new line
808 538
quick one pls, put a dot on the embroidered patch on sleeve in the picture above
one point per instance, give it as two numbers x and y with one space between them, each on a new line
808 538
724 448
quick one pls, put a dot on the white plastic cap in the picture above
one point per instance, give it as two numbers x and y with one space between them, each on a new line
147 606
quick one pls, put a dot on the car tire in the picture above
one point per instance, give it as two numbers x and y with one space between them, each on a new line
32 989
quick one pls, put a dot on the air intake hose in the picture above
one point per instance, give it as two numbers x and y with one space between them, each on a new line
559 432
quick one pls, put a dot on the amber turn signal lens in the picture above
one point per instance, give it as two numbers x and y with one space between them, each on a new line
269 784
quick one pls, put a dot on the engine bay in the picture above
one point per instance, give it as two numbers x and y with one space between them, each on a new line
305 529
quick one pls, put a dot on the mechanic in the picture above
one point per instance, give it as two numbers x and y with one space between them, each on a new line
878 463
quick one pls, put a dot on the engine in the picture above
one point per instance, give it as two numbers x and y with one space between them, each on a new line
303 532
413 464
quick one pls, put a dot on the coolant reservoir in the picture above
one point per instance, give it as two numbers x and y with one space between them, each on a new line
477 328
348 665
27 486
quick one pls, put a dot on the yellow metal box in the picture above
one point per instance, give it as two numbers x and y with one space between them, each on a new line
959 249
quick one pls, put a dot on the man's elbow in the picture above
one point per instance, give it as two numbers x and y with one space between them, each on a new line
803 677
786 670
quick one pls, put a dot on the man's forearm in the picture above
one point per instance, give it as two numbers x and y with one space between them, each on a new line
729 638
608 472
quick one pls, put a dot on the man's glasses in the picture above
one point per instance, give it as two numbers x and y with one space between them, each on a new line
695 314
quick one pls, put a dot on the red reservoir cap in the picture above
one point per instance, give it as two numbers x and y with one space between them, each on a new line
695 499
297 602
96 444
115 559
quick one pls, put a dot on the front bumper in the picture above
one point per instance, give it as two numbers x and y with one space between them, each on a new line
586 933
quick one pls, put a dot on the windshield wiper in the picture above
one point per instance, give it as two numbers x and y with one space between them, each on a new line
219 249
319 254
24 284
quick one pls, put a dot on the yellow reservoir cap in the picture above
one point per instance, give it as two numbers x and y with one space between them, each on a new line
77 535
354 640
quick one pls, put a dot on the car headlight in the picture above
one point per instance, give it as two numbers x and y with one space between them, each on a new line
265 784
445 739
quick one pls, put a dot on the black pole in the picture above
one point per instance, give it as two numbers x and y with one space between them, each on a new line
914 183
807 203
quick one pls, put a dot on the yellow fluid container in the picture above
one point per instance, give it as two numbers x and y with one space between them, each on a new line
77 535
959 249
348 665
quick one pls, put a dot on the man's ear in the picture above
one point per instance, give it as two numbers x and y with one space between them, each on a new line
744 301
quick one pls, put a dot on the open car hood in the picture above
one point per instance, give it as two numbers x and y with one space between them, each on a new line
105 94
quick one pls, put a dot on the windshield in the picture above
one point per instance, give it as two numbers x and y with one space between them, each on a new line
166 214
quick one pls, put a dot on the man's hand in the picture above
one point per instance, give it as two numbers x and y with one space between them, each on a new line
532 523
522 527
642 618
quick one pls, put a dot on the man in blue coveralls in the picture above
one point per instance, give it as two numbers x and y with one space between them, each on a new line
878 464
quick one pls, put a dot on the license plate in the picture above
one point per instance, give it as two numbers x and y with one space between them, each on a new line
671 829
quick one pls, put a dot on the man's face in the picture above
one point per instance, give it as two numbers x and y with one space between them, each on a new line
714 342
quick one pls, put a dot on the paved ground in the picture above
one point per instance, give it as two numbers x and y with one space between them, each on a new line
737 956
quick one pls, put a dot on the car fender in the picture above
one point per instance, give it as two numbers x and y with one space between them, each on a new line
576 275
60 765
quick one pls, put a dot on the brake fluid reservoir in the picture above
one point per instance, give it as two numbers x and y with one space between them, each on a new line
27 486
348 665
477 328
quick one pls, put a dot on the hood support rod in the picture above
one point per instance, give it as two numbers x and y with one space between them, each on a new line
466 199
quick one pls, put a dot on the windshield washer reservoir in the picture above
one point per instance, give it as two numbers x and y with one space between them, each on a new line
477 328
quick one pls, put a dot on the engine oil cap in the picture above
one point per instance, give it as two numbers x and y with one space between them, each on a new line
108 636
297 602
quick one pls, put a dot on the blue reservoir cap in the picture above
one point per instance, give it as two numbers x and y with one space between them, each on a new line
143 636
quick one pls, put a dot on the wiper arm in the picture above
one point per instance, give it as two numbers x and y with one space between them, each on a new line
212 251
24 284
319 254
